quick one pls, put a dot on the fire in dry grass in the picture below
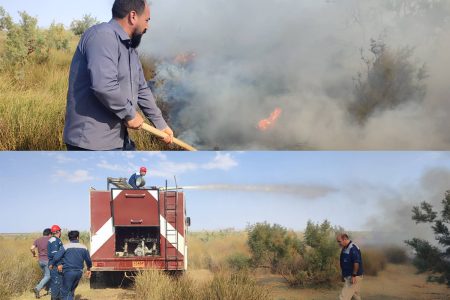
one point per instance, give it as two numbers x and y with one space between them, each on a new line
268 123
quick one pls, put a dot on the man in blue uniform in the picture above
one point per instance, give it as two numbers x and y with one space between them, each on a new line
135 176
54 246
73 256
352 268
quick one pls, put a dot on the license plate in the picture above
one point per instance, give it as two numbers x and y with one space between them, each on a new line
138 264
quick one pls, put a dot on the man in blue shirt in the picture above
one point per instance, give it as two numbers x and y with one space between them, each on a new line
352 268
73 257
133 179
54 246
107 84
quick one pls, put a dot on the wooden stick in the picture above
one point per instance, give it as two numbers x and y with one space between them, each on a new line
162 134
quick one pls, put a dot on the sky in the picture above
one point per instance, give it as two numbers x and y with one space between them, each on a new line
59 11
358 191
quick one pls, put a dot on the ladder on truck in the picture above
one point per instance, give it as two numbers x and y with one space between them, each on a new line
170 214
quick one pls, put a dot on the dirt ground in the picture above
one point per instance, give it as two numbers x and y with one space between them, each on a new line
396 282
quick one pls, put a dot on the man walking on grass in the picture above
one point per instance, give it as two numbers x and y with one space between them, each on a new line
41 246
73 256
107 84
352 268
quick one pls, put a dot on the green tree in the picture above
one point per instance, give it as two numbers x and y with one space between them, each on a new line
78 27
431 258
5 20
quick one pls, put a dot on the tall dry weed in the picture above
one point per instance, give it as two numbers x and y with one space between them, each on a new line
157 285
19 271
213 250
33 103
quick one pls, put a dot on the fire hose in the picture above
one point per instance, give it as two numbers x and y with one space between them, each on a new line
161 134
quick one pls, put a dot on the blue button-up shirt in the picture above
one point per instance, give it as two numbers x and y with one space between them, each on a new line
106 85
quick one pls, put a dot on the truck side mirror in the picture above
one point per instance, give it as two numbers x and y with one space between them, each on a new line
188 221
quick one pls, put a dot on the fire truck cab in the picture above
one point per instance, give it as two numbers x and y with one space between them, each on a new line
136 229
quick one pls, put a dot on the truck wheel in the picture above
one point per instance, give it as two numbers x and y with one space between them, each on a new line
97 280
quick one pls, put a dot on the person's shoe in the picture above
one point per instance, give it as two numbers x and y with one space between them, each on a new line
36 293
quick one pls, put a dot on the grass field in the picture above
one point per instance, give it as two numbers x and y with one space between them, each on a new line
209 277
33 101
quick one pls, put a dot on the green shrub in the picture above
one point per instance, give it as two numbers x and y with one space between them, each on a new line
272 245
311 262
238 261
78 27
318 265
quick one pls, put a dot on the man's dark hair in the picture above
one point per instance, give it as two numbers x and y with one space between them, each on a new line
46 231
73 235
121 8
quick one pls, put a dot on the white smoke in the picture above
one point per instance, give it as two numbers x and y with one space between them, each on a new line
302 191
301 56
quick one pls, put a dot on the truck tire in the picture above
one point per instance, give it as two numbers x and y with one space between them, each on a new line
97 280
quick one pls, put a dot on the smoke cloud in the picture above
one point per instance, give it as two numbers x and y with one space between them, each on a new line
303 191
302 56
393 223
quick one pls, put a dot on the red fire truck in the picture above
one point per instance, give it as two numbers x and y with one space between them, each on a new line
136 229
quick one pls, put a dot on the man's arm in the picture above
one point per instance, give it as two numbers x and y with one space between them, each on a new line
147 103
356 260
33 251
88 261
102 62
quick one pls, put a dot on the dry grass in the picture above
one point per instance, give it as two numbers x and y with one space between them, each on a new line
33 101
19 271
211 250
374 261
156 285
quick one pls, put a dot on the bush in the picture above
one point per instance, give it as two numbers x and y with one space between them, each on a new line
272 245
238 261
309 263
374 261
391 80
78 27
26 43
319 262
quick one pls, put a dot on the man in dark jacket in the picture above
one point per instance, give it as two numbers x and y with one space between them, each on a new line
352 268
73 257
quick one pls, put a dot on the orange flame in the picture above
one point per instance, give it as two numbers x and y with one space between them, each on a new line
265 124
